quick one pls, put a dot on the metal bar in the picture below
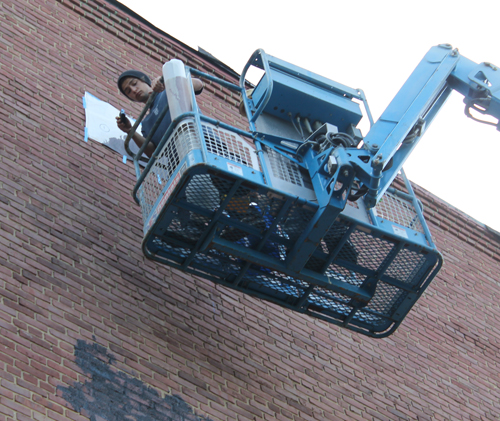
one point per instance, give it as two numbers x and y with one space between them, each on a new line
254 60
367 108
149 137
305 275
302 299
373 217
226 126
350 316
337 249
418 209
215 79
269 231
263 166
126 143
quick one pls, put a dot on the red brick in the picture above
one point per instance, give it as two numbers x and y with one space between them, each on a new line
71 266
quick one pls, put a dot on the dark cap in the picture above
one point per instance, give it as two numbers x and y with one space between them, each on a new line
132 73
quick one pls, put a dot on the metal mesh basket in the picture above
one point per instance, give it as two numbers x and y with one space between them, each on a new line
211 221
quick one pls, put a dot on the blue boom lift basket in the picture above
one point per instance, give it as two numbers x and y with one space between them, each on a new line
233 207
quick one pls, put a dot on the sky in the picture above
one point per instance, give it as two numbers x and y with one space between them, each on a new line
374 46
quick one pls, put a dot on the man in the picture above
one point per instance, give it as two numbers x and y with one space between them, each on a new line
137 86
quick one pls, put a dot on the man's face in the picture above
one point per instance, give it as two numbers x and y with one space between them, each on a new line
136 89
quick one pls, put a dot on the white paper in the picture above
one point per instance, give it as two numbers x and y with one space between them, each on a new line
100 125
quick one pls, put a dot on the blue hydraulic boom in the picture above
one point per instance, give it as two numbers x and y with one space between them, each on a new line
301 209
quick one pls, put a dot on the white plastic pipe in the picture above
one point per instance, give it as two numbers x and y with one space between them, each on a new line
177 88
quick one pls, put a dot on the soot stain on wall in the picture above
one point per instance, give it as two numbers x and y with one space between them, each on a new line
112 395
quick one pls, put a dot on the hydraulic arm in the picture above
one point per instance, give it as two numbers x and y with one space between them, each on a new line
393 137
405 120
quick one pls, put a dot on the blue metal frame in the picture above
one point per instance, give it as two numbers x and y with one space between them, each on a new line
363 271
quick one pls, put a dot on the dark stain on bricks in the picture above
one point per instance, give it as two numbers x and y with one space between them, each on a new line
112 395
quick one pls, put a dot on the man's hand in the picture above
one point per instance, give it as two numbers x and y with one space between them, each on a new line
123 124
157 84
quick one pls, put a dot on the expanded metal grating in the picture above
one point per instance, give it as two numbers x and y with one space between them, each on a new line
228 145
284 169
184 139
239 233
399 210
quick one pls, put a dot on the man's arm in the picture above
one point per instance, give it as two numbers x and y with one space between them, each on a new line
125 126
158 85
197 86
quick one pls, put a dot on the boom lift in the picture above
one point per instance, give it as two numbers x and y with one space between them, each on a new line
301 210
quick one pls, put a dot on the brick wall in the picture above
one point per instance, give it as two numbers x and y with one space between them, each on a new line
89 329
